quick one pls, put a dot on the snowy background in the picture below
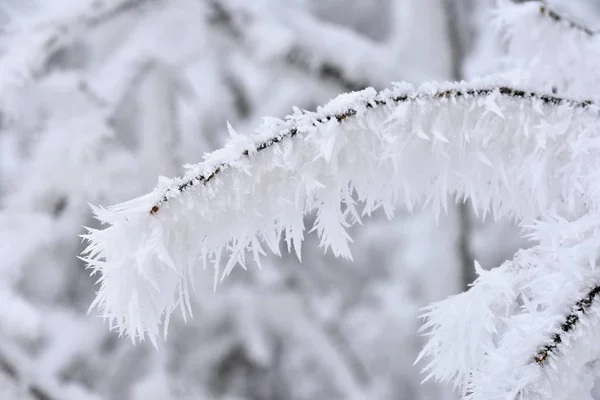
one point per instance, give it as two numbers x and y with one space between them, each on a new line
98 98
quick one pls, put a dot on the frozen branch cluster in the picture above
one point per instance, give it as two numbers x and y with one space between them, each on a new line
549 50
493 144
121 82
99 97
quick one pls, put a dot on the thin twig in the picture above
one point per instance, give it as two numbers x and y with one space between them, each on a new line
550 13
376 102
547 11
297 56
570 322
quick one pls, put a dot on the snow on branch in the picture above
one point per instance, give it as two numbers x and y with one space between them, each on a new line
493 144
526 327
380 100
351 60
551 51
35 39
547 11
570 322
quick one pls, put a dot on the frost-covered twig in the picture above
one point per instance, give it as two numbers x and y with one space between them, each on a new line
383 99
527 327
547 52
34 41
299 45
382 146
547 11
571 320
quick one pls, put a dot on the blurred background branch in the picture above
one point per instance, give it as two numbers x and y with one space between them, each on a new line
98 98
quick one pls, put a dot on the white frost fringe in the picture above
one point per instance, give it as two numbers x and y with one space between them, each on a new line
549 50
516 154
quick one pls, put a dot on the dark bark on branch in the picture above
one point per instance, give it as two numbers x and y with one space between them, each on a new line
547 11
504 91
569 324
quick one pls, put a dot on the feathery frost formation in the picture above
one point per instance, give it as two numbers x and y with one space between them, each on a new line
365 150
548 50
494 142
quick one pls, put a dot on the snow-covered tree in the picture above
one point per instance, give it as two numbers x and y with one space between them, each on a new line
521 143
100 97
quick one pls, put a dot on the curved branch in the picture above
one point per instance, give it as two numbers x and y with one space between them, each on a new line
495 145
382 99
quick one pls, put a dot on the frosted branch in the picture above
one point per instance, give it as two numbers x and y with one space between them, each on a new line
548 12
527 327
570 322
379 100
300 47
395 145
487 141
33 45
549 52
